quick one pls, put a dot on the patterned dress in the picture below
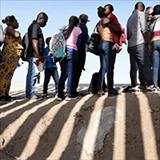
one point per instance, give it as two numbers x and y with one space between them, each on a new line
10 55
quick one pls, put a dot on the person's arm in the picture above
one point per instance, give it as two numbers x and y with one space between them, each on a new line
10 31
34 40
79 41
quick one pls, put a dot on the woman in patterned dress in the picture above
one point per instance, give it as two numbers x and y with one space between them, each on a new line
11 52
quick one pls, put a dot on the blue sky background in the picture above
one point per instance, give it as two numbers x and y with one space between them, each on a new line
59 13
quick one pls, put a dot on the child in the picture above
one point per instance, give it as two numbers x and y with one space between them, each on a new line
50 69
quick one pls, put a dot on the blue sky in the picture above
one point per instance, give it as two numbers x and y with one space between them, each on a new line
59 13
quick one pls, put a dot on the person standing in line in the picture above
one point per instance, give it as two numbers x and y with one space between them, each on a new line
50 69
136 36
155 46
11 53
68 65
83 19
107 53
147 55
35 51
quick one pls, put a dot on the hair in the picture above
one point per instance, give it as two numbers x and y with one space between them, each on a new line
156 9
101 12
48 40
9 19
73 21
110 7
42 14
137 4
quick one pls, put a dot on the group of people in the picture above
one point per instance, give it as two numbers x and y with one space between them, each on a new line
143 35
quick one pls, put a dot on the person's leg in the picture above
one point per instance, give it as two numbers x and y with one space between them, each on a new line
105 48
140 51
110 74
55 77
30 81
47 76
133 67
155 69
63 77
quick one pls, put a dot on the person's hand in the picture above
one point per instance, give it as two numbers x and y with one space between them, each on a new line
41 59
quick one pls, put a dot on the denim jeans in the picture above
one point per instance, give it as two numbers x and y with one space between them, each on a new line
68 68
31 75
105 49
137 64
156 61
147 68
47 75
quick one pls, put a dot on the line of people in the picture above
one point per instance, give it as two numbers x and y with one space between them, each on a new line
143 35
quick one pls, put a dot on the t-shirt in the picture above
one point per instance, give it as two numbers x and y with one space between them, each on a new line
35 32
71 42
49 60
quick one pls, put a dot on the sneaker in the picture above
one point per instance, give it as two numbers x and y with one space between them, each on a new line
59 98
69 98
44 95
34 97
153 88
100 93
112 92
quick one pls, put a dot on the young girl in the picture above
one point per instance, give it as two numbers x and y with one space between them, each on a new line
68 64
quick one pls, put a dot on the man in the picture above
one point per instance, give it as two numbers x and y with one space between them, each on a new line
83 18
35 51
136 36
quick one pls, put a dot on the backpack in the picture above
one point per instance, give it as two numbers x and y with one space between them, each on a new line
25 44
57 45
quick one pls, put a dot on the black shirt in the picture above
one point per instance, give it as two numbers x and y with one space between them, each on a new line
35 32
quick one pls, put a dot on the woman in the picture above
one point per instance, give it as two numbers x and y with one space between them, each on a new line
155 45
72 35
107 52
10 55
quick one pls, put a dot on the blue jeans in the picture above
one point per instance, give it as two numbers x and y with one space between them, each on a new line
68 68
105 49
137 64
31 76
156 61
47 75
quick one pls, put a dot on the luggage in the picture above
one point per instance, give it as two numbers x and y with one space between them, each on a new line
93 87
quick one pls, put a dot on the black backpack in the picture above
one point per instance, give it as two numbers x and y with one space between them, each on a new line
25 44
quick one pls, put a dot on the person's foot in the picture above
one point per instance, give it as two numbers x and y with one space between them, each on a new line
6 98
34 97
72 97
60 97
100 93
112 92
44 95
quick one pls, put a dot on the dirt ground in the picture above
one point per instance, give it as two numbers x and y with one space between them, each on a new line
46 129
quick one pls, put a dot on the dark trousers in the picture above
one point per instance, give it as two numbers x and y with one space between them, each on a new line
137 64
47 75
81 57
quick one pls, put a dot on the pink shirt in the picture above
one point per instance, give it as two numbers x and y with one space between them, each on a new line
71 42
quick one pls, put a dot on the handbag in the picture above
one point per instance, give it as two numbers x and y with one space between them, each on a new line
94 41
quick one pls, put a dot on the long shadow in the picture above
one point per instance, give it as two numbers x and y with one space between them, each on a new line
23 133
5 121
69 152
154 104
50 136
134 141
106 152
11 106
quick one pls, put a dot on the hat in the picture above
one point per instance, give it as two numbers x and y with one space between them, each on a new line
84 18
